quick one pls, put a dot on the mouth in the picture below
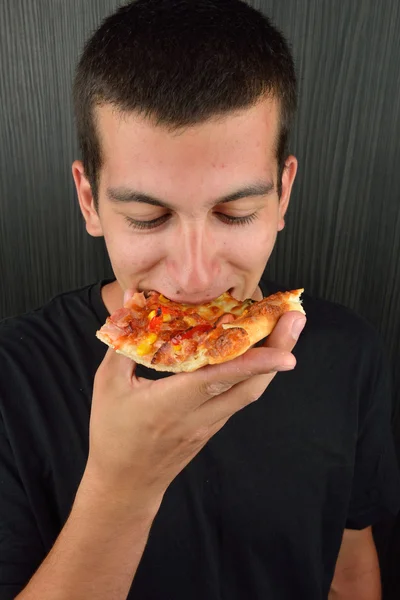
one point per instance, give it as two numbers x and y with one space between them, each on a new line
181 300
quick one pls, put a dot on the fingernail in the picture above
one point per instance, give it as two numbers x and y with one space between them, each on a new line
284 368
298 327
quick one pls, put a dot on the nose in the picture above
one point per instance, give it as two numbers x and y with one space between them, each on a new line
193 263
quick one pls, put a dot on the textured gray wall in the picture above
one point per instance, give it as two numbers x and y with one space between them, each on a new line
342 241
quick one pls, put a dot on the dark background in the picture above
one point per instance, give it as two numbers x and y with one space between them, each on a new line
342 240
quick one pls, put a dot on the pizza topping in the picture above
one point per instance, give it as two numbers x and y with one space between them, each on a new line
169 336
112 331
170 353
191 332
122 317
156 318
226 318
241 308
146 345
160 316
138 299
191 320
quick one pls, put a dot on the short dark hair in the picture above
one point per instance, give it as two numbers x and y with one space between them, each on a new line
181 62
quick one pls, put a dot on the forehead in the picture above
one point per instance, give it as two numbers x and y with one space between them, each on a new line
241 144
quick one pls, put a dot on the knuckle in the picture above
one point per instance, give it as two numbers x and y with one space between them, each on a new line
247 374
199 435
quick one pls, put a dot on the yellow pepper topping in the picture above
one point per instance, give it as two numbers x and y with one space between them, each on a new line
145 346
190 320
151 314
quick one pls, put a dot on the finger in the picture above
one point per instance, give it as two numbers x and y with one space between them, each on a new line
224 406
279 358
191 390
287 331
283 338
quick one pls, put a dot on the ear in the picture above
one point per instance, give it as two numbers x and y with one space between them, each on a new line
288 177
86 200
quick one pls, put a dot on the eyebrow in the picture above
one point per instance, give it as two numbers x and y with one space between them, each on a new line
126 195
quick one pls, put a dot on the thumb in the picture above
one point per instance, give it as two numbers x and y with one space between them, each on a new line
287 331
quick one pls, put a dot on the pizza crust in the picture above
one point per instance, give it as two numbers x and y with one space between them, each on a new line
261 318
128 349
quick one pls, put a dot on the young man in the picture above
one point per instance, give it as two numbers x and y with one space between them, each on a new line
120 482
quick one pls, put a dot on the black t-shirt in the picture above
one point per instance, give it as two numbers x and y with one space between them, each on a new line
259 512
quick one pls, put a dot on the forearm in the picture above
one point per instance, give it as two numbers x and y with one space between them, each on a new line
357 586
357 573
97 552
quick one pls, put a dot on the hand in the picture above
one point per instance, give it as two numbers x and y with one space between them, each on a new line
143 433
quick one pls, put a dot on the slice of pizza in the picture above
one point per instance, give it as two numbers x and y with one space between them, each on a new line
168 336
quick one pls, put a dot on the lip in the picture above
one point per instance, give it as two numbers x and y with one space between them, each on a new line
183 300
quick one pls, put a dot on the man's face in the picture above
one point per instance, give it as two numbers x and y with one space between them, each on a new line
193 213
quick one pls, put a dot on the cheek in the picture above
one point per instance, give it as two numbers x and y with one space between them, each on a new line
131 254
252 248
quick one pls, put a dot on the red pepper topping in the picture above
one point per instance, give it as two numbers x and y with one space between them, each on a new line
156 321
189 333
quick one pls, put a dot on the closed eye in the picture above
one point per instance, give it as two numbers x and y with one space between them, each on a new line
147 224
237 220
154 223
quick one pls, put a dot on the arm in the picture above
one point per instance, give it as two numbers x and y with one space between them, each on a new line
142 434
98 551
357 575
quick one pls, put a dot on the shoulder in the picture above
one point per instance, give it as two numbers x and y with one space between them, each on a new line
339 321
49 353
47 323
